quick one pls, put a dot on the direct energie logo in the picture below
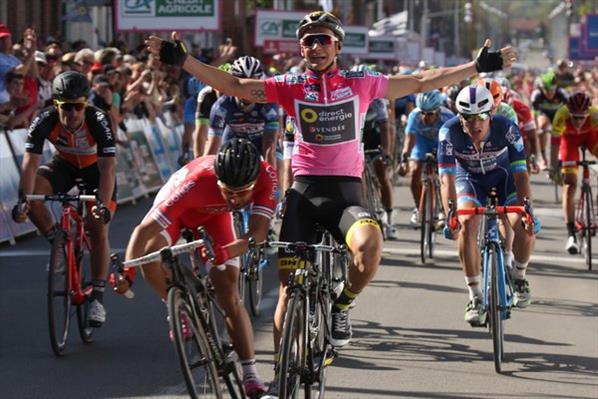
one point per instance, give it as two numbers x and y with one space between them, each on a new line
309 115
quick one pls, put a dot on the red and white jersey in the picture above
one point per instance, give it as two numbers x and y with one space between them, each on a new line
192 198
525 115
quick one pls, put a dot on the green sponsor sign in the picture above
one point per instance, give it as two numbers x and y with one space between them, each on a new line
381 46
289 27
185 8
355 39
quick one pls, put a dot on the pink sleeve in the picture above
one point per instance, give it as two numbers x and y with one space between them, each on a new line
272 87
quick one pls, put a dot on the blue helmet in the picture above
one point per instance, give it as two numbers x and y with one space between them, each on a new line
194 86
429 100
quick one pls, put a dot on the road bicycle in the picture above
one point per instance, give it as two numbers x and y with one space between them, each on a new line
497 284
305 350
430 208
69 286
372 186
204 358
585 215
252 265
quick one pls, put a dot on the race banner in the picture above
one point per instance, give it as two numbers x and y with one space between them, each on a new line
275 27
171 140
154 139
167 15
356 40
146 167
382 48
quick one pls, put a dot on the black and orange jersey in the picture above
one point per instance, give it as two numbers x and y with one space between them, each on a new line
81 148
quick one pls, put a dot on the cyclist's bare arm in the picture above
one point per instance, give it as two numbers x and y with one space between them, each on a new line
140 242
248 89
258 229
409 144
29 166
107 168
447 190
522 186
212 145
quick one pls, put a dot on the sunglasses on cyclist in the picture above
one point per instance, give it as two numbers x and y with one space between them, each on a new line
67 106
322 39
430 113
476 117
579 117
235 191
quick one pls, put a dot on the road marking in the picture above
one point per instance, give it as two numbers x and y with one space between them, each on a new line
453 254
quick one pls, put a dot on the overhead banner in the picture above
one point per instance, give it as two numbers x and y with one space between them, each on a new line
356 40
275 27
589 35
382 48
167 15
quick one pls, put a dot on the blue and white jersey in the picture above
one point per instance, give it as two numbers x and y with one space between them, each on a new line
416 126
501 149
228 119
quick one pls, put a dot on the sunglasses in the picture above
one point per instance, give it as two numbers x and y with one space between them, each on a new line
235 191
66 106
322 39
579 117
430 113
475 117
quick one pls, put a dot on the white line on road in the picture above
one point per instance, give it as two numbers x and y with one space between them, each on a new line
453 254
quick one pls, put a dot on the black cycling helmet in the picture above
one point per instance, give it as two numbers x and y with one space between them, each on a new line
237 163
70 85
321 18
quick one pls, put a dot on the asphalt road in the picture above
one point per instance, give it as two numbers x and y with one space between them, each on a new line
410 340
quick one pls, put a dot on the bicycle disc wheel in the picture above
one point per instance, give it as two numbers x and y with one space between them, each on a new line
192 348
59 299
254 285
292 349
424 225
496 327
85 331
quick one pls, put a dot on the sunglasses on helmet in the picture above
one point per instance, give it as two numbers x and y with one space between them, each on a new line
476 117
322 39
69 106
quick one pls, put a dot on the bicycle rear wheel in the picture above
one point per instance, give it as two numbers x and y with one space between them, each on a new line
59 298
192 348
85 331
293 348
587 233
496 326
254 284
425 223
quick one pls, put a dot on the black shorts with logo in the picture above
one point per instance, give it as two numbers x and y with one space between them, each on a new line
333 202
63 176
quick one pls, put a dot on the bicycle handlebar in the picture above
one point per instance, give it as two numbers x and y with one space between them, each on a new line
303 246
154 256
578 163
60 197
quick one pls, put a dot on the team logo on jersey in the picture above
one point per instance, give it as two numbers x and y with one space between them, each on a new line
327 124
341 93
312 96
354 74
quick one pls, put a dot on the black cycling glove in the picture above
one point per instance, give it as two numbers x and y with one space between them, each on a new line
173 53
488 61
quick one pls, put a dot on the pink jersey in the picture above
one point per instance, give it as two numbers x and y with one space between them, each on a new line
329 112
191 198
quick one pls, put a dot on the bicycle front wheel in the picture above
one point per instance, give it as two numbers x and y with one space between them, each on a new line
589 222
85 331
496 326
254 284
425 218
293 348
59 298
192 348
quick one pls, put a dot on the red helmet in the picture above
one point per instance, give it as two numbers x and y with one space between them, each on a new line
578 103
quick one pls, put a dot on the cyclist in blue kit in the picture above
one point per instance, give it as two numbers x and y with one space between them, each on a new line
476 152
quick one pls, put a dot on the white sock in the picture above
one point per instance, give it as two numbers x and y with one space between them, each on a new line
473 285
519 269
249 369
389 217
508 258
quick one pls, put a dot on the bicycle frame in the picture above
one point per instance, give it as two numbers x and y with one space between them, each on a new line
493 242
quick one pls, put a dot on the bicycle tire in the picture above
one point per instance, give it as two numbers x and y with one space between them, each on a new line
59 298
199 384
588 229
292 348
85 331
321 347
254 285
496 326
424 225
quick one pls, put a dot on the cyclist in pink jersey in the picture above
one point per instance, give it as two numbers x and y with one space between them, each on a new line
203 193
328 105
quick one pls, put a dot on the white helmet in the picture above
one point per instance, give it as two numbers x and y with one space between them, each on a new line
474 100
247 67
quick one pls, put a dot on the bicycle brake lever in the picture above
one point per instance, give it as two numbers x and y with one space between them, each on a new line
207 242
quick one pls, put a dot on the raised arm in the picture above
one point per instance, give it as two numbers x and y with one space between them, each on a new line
486 61
176 54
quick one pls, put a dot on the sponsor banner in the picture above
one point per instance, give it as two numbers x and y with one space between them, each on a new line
589 35
356 40
127 181
276 26
280 46
382 48
146 167
166 15
9 188
154 139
